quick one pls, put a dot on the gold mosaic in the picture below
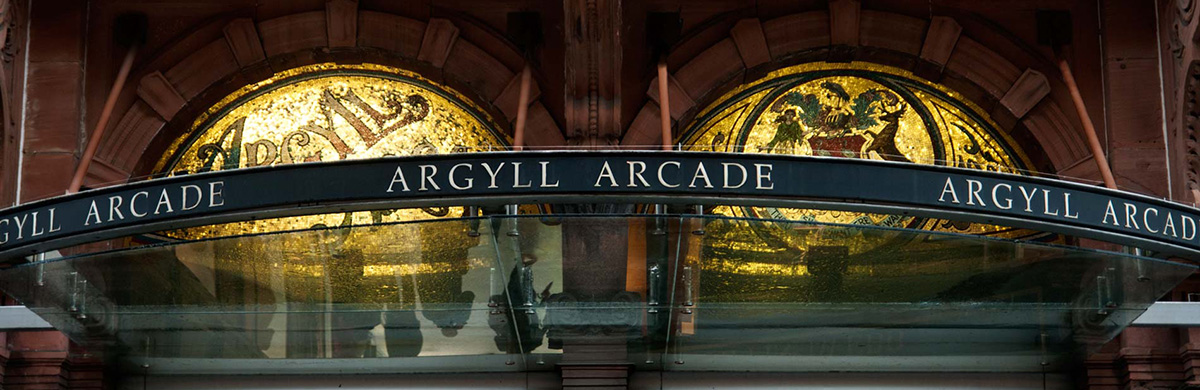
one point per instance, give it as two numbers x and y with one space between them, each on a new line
326 113
854 110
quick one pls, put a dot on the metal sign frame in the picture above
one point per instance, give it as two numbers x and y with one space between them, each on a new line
573 177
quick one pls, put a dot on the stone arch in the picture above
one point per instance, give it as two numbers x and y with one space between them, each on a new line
1034 109
1191 130
12 24
168 90
1185 110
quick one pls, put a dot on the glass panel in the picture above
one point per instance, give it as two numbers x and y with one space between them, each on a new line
400 290
661 292
531 252
791 296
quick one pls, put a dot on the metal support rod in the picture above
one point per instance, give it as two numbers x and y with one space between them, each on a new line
1140 265
74 307
1042 346
41 269
82 308
105 114
528 294
678 346
664 104
513 228
1162 101
687 289
473 213
660 224
655 285
495 292
522 109
146 352
1110 297
1088 127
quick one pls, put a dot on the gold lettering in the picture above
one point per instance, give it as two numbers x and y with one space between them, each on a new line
269 151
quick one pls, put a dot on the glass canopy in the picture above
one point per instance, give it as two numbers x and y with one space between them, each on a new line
658 292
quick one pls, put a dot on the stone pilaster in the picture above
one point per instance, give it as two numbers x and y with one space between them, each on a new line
36 361
84 371
1189 353
1151 359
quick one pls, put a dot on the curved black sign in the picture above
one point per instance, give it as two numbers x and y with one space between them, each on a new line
595 177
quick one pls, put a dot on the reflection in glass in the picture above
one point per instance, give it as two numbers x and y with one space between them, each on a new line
492 293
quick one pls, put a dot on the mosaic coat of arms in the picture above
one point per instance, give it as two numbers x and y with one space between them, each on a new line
855 110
